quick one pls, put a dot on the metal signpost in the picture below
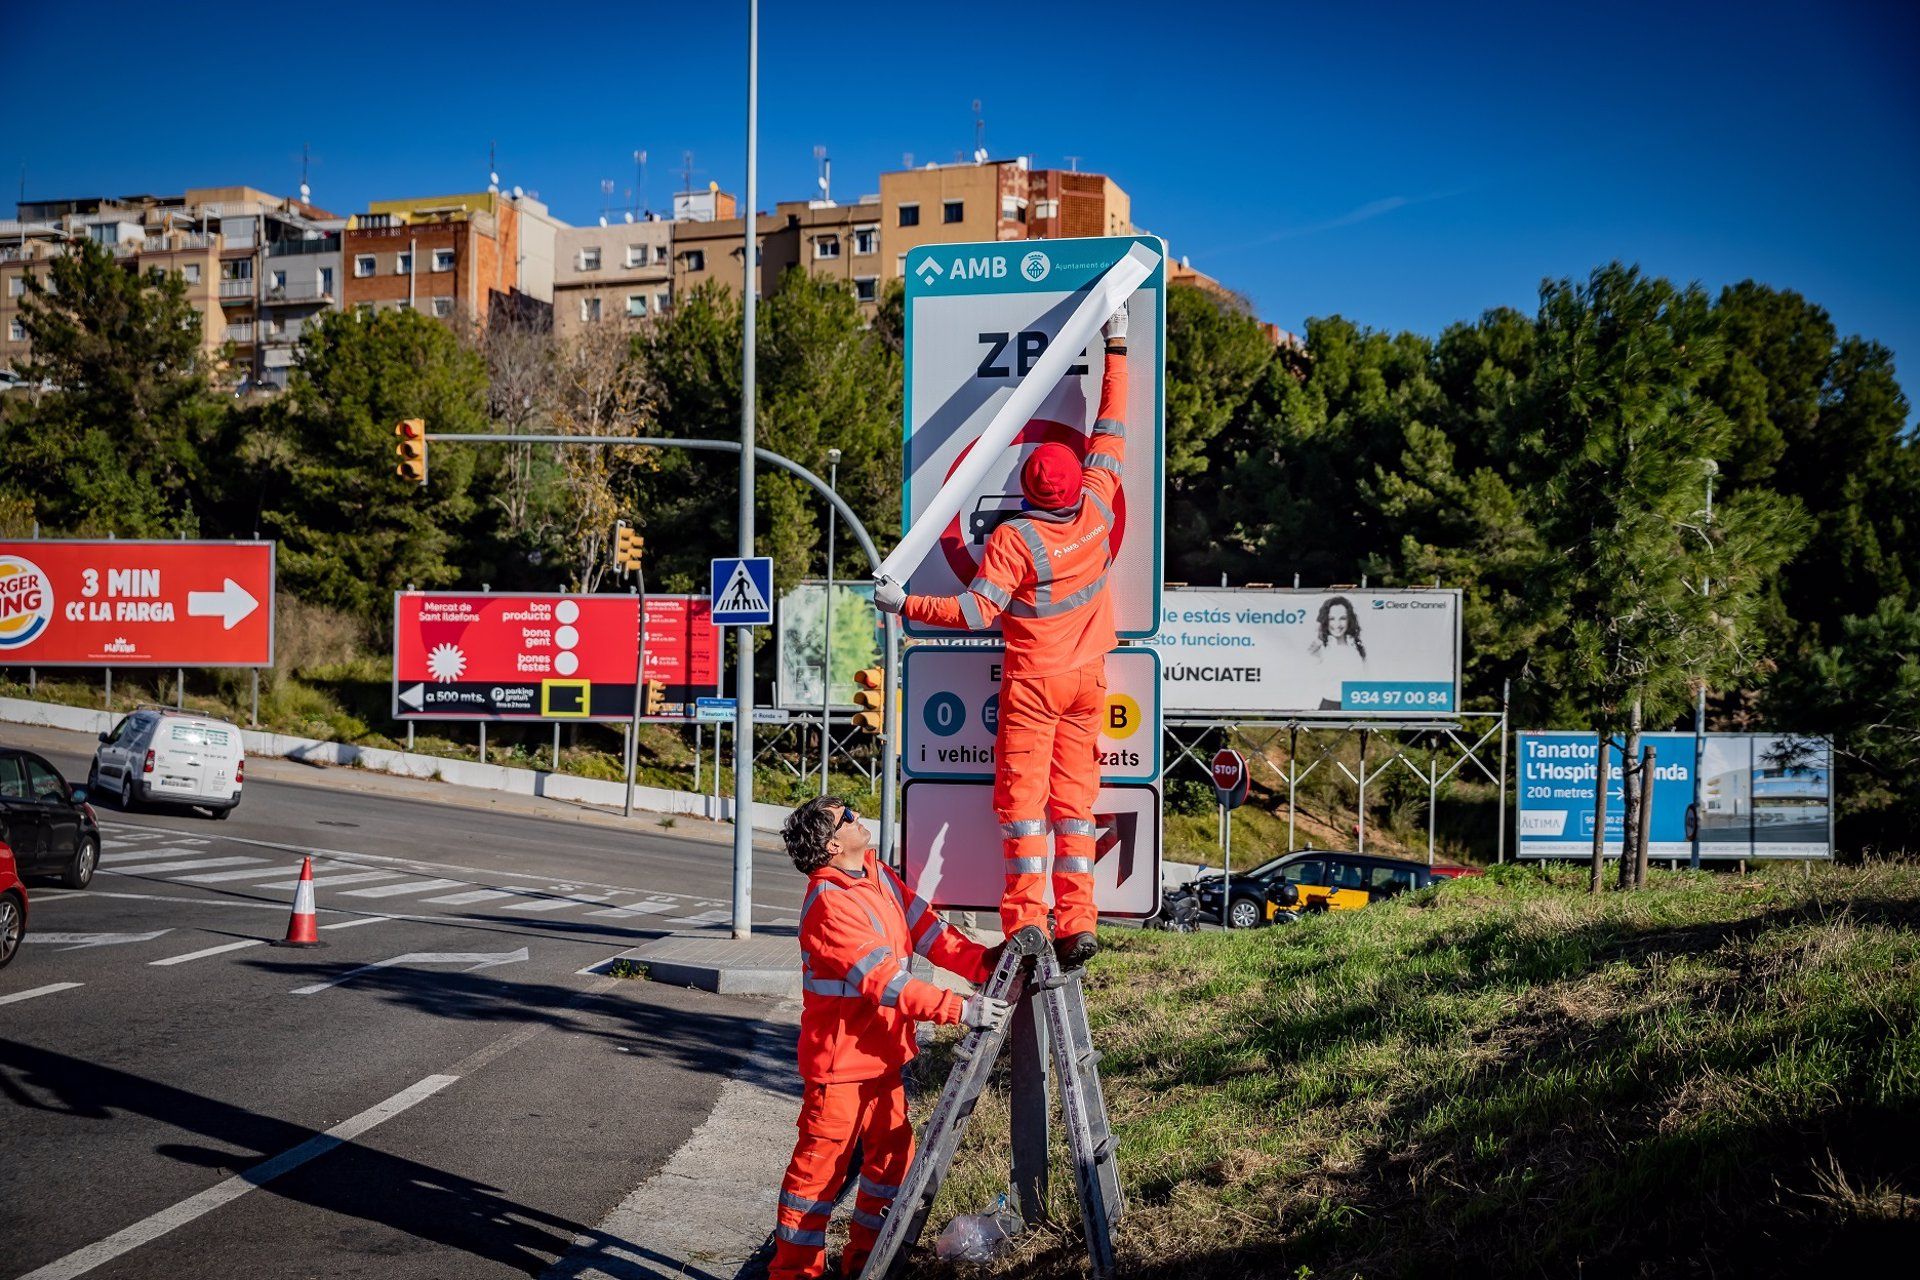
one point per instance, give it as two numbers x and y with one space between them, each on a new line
1230 782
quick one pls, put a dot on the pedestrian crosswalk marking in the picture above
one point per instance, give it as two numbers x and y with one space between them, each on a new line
653 907
463 899
323 881
191 864
708 917
220 877
405 886
557 903
204 953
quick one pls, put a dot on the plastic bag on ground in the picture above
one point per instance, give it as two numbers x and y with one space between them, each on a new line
978 1237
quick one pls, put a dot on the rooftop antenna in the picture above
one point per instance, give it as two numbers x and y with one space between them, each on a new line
493 171
306 156
906 159
639 181
979 134
825 180
1073 164
687 171
606 194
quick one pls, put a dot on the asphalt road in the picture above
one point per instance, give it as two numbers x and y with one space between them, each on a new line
489 1097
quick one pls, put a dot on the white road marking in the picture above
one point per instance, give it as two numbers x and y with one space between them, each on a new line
79 941
191 864
209 951
405 886
40 900
471 959
127 1239
47 990
462 899
651 907
707 917
557 904
323 880
218 877
354 923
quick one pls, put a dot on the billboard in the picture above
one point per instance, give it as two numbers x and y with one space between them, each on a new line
978 316
801 636
682 651
1762 796
497 656
136 604
1261 652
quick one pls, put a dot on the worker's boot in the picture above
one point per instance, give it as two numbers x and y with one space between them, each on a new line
1075 949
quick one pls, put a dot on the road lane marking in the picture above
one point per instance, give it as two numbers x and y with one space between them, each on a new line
559 903
127 1239
328 881
80 941
220 877
472 960
47 990
209 951
191 864
706 917
462 899
405 886
350 924
652 907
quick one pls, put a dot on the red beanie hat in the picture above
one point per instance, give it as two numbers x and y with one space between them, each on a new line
1051 477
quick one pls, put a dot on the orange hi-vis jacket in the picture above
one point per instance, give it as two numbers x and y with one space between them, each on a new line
1044 573
857 934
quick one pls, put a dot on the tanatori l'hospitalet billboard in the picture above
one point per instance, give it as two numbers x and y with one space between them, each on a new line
1261 652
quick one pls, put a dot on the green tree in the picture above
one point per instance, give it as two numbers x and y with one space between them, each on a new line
1216 355
122 441
350 532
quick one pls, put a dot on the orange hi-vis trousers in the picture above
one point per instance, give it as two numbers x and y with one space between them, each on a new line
1046 778
833 1118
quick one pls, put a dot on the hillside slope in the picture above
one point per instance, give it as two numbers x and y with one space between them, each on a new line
1716 1076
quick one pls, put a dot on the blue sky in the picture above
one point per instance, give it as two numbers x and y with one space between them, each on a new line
1403 165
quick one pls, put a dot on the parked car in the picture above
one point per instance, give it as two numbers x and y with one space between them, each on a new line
46 822
1309 880
159 754
13 906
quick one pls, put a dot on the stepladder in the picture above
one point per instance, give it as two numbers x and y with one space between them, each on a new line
1027 975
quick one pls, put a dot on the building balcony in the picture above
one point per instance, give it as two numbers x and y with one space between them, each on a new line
241 333
235 292
171 243
296 295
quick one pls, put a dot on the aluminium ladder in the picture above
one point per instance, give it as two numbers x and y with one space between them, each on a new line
1027 969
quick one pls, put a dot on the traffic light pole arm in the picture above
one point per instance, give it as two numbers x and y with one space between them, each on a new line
662 442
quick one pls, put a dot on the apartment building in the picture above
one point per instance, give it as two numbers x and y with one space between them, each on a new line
457 255
713 250
948 204
622 272
839 242
1064 204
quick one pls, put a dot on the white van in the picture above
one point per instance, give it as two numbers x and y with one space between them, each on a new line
161 754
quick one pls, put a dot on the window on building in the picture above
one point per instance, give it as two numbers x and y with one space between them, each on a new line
326 281
589 309
16 286
696 259
827 247
277 280
866 240
443 259
276 327
1013 208
1046 209
636 304
590 259
953 211
909 215
363 265
866 288
443 307
403 305
190 272
403 264
363 309
662 301
636 255
660 253
17 332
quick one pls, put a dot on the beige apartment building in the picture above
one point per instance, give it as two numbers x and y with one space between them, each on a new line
712 250
839 242
995 200
622 272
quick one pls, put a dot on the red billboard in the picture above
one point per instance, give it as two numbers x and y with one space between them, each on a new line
136 604
683 651
462 655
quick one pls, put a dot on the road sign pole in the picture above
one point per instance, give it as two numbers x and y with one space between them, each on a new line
890 729
749 312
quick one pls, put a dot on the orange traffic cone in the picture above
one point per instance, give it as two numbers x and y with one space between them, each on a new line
301 929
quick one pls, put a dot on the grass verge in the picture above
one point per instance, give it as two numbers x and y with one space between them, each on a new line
1504 1076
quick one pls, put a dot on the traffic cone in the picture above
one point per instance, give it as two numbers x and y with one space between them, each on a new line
301 929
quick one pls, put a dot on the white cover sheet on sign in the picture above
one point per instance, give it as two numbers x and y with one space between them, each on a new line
1101 302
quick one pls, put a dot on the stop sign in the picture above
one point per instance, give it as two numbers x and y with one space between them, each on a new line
1230 777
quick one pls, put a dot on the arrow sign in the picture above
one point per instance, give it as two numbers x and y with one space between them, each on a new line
469 960
230 604
78 941
416 697
1116 832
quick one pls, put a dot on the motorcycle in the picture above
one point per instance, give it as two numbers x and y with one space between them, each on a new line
1179 911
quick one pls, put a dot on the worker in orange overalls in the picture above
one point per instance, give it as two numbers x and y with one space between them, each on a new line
859 927
1044 574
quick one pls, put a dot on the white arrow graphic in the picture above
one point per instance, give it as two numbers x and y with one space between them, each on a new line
76 941
415 697
472 960
230 603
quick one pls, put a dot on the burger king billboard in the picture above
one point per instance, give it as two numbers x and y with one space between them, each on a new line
136 604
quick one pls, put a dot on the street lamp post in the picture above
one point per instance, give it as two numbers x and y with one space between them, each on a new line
1712 469
826 662
743 636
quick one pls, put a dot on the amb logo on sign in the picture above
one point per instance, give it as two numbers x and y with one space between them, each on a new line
26 602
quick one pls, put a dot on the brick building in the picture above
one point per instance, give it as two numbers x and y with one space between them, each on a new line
448 256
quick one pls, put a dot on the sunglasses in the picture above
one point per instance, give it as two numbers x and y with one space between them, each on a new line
848 815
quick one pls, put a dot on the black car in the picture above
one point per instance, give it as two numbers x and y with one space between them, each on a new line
47 822
1309 880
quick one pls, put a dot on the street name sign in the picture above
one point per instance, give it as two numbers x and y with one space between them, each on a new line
742 591
136 604
952 707
950 841
495 656
715 711
979 317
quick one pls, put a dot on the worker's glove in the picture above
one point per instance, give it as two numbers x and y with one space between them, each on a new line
1115 329
889 596
984 1013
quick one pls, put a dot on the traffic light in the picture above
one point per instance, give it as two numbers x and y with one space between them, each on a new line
627 546
412 450
871 698
656 698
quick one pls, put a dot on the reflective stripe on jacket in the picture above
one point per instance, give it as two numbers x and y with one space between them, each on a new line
857 936
1044 573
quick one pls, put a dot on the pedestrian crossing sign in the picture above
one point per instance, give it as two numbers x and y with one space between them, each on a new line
742 591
